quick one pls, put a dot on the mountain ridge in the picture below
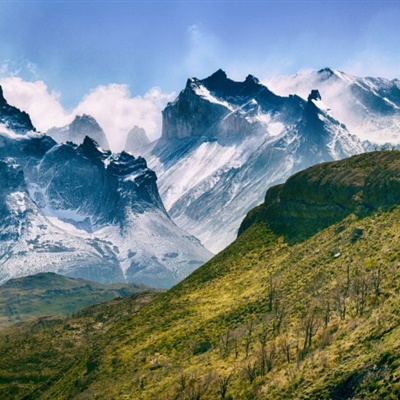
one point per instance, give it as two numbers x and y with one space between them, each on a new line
370 107
224 142
322 195
80 210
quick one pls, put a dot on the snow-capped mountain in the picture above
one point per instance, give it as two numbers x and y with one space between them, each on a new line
369 107
224 143
136 141
85 212
82 126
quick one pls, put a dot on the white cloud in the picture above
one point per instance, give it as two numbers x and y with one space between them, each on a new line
35 98
112 106
117 111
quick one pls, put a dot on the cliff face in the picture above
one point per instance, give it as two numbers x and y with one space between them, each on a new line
225 142
324 194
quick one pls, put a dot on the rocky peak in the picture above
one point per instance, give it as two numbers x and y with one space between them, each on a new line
136 141
251 78
84 122
13 118
326 71
314 95
82 126
217 78
201 108
90 149
124 164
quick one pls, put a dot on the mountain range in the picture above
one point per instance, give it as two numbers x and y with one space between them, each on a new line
74 207
82 211
368 106
224 142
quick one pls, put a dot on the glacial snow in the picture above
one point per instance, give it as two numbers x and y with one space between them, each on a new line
355 101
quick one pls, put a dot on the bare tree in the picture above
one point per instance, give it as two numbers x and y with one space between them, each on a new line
262 339
278 315
376 280
250 370
182 383
225 342
271 291
325 303
340 299
360 289
310 323
223 382
197 387
270 356
285 346
249 329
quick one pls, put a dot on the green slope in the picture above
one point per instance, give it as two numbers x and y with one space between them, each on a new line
34 296
264 319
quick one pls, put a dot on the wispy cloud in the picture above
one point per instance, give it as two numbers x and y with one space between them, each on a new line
378 49
205 52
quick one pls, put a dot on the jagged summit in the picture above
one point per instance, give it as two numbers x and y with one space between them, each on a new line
83 121
327 71
136 141
368 106
82 126
237 92
206 102
314 95
252 78
224 142
91 149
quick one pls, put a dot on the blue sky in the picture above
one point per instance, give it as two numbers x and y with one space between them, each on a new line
75 46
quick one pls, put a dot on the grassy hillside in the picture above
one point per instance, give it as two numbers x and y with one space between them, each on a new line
319 319
36 354
34 296
324 194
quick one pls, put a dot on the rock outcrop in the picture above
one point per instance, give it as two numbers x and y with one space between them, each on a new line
13 118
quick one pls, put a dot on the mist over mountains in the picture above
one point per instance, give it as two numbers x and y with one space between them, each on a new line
223 143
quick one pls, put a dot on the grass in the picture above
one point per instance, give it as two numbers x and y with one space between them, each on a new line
197 331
